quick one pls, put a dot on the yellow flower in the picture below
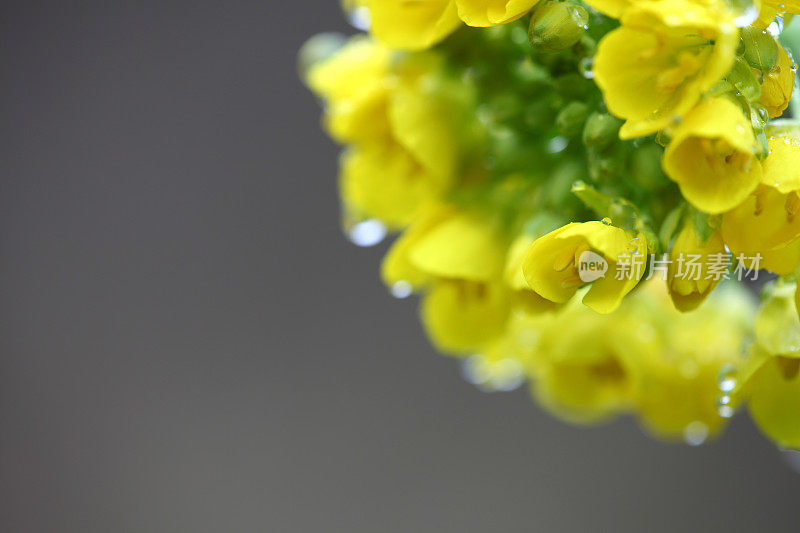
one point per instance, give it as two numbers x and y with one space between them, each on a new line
772 382
778 84
492 12
353 83
654 68
766 223
405 145
380 180
688 278
583 373
412 24
446 242
462 317
459 257
712 156
552 263
681 357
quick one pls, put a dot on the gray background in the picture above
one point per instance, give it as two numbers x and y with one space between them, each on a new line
189 344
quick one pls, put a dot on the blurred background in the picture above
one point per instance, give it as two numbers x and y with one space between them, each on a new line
190 344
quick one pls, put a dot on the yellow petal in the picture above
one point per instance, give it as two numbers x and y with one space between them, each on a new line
781 169
464 246
712 157
761 223
774 404
413 24
463 317
492 12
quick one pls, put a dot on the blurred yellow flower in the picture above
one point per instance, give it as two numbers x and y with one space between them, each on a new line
462 317
583 373
678 392
772 384
492 12
412 24
459 256
404 151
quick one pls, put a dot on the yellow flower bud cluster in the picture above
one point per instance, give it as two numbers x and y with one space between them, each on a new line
581 190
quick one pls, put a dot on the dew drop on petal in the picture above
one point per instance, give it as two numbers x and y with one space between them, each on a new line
401 289
695 433
727 378
792 459
586 67
557 144
367 233
359 17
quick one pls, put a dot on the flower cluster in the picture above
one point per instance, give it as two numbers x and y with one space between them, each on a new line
585 196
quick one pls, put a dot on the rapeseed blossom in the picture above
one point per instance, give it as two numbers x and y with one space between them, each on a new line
587 197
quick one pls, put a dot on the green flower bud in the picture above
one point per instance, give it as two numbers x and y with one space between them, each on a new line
601 130
557 25
760 48
646 167
605 165
571 118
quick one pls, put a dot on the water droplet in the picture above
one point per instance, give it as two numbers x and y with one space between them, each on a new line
586 67
746 16
502 375
724 407
727 378
725 411
695 433
557 144
474 369
367 233
359 17
792 459
607 221
508 375
401 289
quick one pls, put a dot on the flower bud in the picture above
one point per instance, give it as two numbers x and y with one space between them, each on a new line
571 118
778 84
557 25
601 130
689 279
760 48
